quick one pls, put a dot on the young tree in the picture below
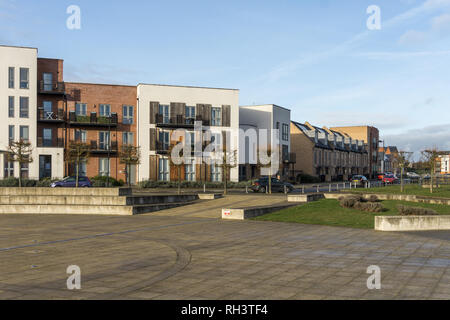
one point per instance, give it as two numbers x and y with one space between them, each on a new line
129 156
76 153
402 160
228 161
20 151
267 162
175 159
430 158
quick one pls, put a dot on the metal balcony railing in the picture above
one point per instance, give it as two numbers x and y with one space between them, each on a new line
93 119
53 87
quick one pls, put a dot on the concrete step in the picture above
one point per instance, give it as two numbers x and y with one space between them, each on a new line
141 209
65 192
159 199
65 209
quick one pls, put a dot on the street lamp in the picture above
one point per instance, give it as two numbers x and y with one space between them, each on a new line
384 157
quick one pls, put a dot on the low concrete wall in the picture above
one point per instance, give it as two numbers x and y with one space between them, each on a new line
209 196
400 197
242 214
66 209
412 223
304 198
65 191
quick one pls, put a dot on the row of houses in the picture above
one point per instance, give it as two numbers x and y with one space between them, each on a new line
39 106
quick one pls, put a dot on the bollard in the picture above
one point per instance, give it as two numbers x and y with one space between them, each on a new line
285 191
329 189
204 188
317 188
303 189
246 189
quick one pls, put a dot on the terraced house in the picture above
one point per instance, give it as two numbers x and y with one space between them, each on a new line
326 154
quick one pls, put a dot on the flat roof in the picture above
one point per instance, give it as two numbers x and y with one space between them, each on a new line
19 47
181 86
100 84
50 59
267 104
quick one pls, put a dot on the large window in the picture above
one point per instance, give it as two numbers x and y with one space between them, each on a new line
104 140
24 78
190 115
48 81
105 110
8 167
24 133
216 173
11 77
164 140
190 171
24 106
164 170
103 167
24 169
127 138
128 112
81 109
47 137
285 132
11 107
216 116
164 113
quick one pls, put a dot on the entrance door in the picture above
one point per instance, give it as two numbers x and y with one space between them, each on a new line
45 166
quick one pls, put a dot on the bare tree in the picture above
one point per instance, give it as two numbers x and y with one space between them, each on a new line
20 151
402 160
430 158
76 153
229 160
267 164
129 156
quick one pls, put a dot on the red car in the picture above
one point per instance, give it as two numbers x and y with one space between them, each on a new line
389 178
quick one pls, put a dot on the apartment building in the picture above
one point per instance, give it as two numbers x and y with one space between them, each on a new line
162 109
444 161
268 117
327 154
18 93
370 136
387 159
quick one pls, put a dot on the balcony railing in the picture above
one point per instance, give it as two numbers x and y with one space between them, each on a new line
52 87
179 121
50 116
93 120
161 147
102 147
50 143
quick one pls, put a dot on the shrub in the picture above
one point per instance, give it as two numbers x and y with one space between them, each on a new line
415 211
369 206
102 181
373 198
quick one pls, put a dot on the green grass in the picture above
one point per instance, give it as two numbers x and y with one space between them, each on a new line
329 212
441 192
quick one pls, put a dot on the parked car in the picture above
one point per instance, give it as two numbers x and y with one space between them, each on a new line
70 182
389 178
380 176
359 181
262 184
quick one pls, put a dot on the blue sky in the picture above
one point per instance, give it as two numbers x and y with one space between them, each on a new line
315 57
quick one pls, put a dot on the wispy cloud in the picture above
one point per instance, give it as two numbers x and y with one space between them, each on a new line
401 55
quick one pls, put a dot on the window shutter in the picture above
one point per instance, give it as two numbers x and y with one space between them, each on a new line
153 168
226 114
154 106
152 139
207 114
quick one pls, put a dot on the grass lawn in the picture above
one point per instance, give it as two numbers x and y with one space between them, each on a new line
413 189
329 212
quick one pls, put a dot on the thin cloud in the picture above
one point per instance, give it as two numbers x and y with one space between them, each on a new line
401 55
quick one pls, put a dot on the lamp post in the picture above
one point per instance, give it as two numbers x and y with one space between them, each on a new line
384 157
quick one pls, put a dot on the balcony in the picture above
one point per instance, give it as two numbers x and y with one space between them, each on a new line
178 121
103 148
162 148
93 120
50 116
51 87
50 143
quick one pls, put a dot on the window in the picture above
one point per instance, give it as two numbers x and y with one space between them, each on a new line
128 114
24 78
81 109
47 137
216 116
104 140
11 107
278 125
164 113
105 110
11 135
216 173
82 171
164 140
80 135
45 166
190 115
48 81
24 133
23 108
127 138
164 171
285 132
8 168
24 170
190 139
11 77
103 167
190 172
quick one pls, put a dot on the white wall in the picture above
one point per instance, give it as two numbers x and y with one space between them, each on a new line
189 95
18 57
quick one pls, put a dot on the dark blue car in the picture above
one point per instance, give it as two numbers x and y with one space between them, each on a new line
70 182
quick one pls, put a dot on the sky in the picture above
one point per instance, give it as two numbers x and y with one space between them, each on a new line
317 58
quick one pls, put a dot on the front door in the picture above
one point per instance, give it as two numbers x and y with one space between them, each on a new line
45 166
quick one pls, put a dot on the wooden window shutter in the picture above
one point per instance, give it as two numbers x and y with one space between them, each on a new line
226 115
154 109
152 139
207 114
153 168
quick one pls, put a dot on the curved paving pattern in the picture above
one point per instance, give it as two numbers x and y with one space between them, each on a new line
187 253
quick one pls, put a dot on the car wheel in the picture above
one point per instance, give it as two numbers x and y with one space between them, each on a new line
263 190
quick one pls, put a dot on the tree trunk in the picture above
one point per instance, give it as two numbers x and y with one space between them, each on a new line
401 180
77 169
225 179
179 179
20 178
431 180
270 180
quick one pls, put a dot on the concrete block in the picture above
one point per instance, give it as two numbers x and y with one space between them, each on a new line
412 223
209 196
304 198
246 213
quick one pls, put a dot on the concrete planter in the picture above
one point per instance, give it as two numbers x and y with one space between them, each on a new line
247 213
412 223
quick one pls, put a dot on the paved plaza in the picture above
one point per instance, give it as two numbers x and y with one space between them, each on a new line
189 253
